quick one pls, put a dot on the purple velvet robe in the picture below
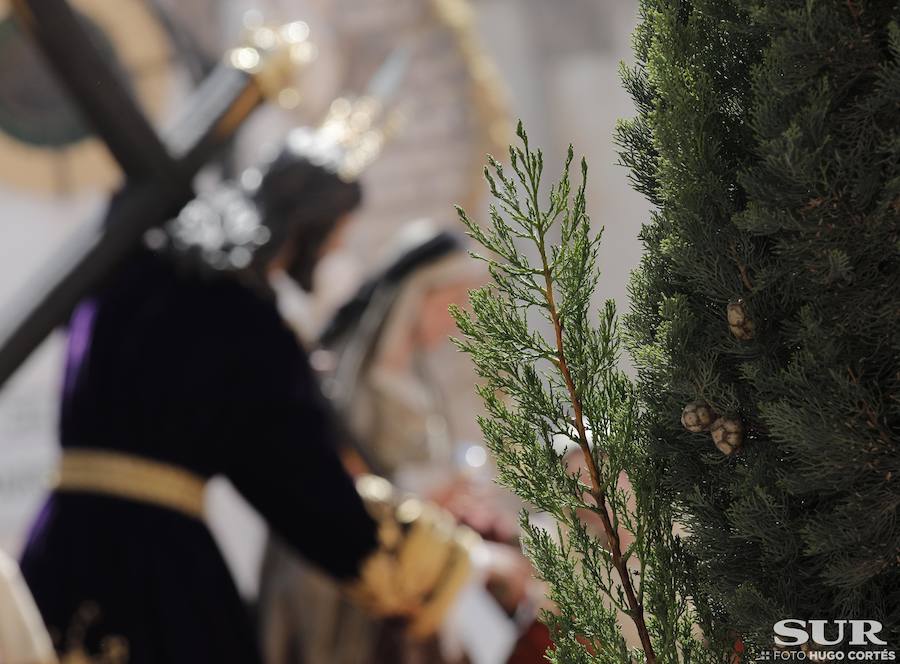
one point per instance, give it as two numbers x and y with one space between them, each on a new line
202 374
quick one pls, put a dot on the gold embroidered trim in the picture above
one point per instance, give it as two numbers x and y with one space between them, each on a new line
133 478
422 562
456 574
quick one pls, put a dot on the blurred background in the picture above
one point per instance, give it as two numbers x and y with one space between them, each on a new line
472 69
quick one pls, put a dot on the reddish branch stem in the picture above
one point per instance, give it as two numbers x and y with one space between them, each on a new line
615 547
742 268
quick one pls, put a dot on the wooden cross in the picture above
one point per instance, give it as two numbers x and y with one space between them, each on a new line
159 169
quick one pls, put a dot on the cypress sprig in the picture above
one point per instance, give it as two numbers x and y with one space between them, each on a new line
612 563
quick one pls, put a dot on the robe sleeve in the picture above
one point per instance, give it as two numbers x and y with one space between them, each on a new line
283 456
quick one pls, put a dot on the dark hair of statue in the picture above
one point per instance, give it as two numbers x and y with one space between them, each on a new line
300 202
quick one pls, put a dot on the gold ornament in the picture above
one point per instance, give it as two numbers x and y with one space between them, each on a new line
422 562
697 416
114 649
728 434
275 56
739 323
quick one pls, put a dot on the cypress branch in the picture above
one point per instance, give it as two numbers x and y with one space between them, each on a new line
614 553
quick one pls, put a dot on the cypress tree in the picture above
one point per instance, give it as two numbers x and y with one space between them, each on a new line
765 310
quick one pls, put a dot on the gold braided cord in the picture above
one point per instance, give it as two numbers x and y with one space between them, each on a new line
132 478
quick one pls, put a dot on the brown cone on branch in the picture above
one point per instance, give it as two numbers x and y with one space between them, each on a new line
739 322
697 416
728 434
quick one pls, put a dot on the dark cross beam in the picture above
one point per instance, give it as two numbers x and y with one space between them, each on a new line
159 170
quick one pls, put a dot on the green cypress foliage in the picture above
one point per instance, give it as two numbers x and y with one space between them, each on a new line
560 382
768 140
